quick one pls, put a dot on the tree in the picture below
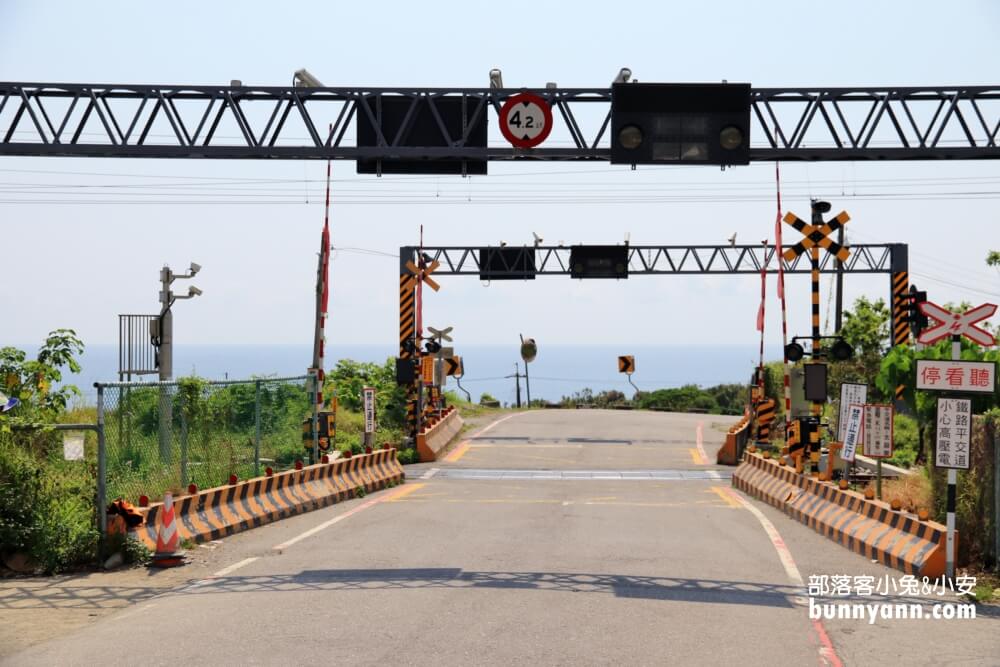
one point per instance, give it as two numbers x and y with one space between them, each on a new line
32 381
866 329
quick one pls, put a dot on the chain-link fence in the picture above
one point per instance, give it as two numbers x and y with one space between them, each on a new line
163 436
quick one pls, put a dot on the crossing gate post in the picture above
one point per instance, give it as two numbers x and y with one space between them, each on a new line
816 409
408 338
899 286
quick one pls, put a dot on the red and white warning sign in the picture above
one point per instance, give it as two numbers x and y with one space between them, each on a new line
525 120
957 324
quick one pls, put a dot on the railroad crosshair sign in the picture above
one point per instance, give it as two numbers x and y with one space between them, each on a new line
816 236
957 324
424 274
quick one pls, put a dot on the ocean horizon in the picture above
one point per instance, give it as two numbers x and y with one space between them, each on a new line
558 370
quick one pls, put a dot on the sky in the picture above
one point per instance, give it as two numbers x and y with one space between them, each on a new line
254 226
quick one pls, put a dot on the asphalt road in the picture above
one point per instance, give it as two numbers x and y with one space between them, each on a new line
554 537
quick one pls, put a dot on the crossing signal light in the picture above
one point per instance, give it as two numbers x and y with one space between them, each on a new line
918 321
669 123
841 350
598 261
794 352
432 347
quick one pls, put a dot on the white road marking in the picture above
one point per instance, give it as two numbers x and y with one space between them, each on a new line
409 488
235 566
827 654
430 473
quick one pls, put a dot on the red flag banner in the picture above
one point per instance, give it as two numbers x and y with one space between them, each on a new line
325 271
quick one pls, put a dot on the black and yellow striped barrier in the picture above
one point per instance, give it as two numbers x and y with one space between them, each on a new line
214 513
866 526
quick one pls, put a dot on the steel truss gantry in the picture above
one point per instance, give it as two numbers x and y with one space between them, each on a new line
179 121
654 259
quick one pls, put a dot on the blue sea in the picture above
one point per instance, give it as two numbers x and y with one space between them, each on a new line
558 370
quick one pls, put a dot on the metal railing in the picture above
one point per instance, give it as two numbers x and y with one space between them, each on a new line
136 352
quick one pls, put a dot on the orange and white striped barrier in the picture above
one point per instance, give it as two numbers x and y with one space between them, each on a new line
729 454
167 538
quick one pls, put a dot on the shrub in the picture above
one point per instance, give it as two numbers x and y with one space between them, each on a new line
20 490
905 441
407 456
46 508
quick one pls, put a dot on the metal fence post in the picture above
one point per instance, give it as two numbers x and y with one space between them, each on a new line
256 437
102 466
184 442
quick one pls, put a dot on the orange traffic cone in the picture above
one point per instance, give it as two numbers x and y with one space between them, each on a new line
167 538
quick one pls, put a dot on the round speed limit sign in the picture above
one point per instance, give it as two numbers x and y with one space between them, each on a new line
525 120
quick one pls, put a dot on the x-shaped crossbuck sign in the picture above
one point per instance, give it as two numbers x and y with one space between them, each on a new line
425 273
957 324
441 334
817 236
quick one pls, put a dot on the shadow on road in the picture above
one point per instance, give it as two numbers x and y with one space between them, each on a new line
70 594
626 586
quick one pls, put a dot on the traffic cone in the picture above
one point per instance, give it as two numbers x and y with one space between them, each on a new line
167 538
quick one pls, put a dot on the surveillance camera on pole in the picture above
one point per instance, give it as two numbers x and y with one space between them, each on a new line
163 334
303 79
496 79
624 75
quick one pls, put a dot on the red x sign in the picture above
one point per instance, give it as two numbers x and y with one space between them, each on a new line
957 324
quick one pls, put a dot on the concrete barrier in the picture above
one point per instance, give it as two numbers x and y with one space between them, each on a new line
732 449
868 527
224 510
436 435
765 480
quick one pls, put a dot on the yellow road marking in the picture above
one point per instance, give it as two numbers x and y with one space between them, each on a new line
566 446
552 501
403 492
458 452
726 497
696 457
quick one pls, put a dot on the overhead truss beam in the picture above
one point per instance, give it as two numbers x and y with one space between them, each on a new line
102 120
657 260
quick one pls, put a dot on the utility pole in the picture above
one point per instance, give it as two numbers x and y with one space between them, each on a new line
166 362
164 340
838 317
517 382
816 410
